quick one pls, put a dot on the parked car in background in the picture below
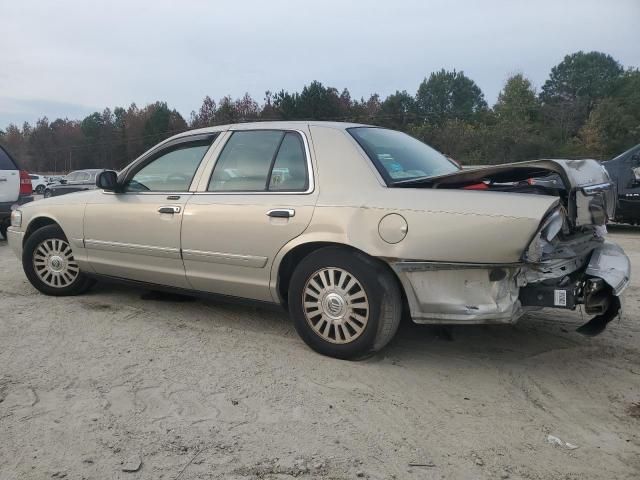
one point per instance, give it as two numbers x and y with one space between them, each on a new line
53 178
625 170
347 226
75 181
38 183
15 189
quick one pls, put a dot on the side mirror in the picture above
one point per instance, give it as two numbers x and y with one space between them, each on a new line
107 180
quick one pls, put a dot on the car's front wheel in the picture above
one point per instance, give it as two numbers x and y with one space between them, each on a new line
50 266
47 193
344 304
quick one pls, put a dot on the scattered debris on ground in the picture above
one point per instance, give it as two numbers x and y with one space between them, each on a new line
132 464
557 442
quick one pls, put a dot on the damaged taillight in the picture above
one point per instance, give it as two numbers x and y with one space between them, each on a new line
552 225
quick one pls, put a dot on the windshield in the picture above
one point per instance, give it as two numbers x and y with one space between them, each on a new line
397 156
625 153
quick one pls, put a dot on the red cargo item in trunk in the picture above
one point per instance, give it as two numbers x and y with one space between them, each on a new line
477 186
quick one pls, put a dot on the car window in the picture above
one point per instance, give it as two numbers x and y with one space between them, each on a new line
261 160
245 161
72 177
5 161
398 156
33 177
82 177
172 171
289 171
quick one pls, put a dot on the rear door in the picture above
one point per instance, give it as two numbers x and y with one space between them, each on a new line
257 197
9 178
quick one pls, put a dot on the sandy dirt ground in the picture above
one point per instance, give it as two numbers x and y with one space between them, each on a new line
96 385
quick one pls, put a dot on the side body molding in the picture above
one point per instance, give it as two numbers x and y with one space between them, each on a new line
225 258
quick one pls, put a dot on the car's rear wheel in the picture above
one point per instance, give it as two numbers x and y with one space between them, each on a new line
40 189
50 266
344 304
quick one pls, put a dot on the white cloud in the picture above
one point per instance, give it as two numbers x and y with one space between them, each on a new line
113 53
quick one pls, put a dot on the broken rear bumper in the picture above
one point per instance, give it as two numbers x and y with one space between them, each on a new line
455 293
610 263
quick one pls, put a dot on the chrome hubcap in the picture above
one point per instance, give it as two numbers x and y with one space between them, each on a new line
335 305
54 263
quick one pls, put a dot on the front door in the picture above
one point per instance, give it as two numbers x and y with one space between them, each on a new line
259 196
135 233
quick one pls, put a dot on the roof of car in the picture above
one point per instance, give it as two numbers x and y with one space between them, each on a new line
279 124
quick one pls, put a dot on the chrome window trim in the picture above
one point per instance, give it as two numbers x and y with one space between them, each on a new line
164 194
307 152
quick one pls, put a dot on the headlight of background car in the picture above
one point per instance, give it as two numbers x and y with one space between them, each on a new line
16 218
542 241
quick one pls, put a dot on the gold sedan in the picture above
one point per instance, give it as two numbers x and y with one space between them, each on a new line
347 226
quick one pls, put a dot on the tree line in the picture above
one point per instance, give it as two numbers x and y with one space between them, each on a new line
588 107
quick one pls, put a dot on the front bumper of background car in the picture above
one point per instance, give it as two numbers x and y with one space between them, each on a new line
7 207
628 209
15 237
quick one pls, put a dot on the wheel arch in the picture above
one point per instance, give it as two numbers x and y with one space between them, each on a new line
296 253
37 223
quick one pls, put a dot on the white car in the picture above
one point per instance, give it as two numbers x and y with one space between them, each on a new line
38 183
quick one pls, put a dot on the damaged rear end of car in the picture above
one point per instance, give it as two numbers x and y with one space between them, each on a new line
567 264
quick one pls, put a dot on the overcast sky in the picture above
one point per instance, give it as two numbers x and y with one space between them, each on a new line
69 58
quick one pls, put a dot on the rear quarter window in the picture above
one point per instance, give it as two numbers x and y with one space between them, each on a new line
5 161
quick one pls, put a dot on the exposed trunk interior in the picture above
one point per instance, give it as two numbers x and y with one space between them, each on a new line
583 186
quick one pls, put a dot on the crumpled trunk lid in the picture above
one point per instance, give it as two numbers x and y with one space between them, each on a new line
587 190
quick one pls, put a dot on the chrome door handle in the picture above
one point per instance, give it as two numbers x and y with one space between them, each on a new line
169 209
282 213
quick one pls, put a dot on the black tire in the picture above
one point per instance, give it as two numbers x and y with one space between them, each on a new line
382 292
40 189
4 224
79 285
